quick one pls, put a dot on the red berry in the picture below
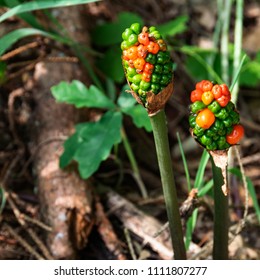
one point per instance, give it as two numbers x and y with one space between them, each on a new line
235 136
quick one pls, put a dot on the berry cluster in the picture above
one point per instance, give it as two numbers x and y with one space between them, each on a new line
213 117
146 61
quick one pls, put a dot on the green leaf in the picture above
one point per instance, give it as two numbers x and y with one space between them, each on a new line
191 223
251 190
206 188
2 199
2 72
201 170
97 141
78 94
197 64
126 99
28 17
238 73
185 164
70 148
110 33
173 27
139 116
111 64
39 5
250 74
12 37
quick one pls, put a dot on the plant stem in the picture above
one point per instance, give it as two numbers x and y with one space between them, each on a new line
237 45
225 41
158 122
221 218
134 165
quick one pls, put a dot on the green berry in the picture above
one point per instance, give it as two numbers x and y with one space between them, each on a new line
151 58
137 79
205 140
132 39
197 106
127 33
134 87
145 85
131 72
192 120
155 88
155 78
158 68
198 131
136 27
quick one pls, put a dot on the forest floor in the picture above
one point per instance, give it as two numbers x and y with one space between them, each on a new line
117 223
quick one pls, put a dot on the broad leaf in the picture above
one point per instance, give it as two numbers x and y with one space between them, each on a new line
111 64
126 100
173 27
139 116
98 140
92 143
137 112
110 33
250 74
40 5
12 37
78 94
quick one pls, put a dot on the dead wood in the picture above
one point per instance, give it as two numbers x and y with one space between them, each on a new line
65 199
141 224
107 233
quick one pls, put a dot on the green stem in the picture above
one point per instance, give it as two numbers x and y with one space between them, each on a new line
237 45
225 41
221 218
134 165
160 132
216 34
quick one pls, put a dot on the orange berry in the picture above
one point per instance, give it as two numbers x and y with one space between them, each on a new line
139 63
153 47
143 38
207 97
142 51
146 77
217 91
205 118
132 53
207 86
148 68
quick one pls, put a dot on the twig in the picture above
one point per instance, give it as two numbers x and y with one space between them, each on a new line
11 99
20 218
243 221
19 50
24 243
130 244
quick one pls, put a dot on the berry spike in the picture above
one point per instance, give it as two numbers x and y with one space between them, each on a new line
148 66
214 120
